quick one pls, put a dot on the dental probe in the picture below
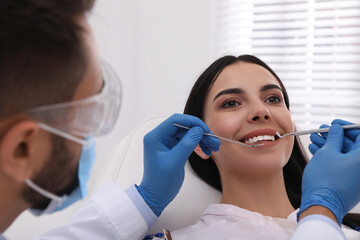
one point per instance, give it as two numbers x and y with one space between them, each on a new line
226 139
319 130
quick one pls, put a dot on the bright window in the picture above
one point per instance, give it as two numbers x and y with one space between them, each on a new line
313 45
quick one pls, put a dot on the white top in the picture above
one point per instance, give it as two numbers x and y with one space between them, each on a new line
224 221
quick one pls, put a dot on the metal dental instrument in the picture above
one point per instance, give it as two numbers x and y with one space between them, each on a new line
320 130
226 139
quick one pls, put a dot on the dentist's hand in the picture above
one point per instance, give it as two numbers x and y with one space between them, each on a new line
349 139
331 176
166 150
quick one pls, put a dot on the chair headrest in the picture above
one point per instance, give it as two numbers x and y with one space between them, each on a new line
125 167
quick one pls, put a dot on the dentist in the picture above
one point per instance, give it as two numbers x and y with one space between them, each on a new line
57 96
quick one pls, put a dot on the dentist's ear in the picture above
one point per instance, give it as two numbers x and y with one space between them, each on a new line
18 150
200 153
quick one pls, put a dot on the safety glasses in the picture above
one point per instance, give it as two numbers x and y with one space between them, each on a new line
92 116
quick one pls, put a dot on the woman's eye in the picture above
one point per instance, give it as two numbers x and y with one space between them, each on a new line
231 103
273 99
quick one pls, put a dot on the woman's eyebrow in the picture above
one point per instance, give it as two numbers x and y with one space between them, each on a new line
241 91
229 91
270 86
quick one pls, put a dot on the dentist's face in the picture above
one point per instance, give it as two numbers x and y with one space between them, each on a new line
58 173
246 104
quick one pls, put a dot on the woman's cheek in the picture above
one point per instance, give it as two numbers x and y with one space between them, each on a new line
228 125
284 119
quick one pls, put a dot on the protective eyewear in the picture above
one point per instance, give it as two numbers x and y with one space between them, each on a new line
92 116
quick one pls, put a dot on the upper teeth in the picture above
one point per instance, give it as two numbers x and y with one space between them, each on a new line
260 138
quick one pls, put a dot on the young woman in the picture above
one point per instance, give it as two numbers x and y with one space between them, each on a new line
241 98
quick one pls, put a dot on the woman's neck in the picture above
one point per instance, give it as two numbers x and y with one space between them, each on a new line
266 195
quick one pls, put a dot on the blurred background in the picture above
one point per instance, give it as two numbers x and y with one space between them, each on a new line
160 47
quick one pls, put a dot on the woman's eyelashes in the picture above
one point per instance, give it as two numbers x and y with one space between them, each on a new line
230 103
273 99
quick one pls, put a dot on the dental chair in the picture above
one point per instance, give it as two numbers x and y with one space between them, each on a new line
125 167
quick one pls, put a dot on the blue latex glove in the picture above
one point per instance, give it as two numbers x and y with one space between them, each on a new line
166 150
319 140
331 177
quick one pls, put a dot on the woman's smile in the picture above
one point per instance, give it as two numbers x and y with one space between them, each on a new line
266 136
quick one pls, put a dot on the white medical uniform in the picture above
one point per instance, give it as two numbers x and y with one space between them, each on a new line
323 228
110 214
116 214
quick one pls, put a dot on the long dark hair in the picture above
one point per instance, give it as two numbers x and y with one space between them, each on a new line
208 171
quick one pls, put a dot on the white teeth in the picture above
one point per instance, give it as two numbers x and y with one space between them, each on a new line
260 138
267 137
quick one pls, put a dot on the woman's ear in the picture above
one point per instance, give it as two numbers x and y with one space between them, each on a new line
200 153
17 150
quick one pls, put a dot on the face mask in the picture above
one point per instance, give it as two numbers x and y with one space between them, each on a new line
58 203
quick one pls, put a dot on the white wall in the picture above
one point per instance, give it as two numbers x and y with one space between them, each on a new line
158 48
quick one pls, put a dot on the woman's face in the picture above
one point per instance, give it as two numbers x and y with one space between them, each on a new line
246 104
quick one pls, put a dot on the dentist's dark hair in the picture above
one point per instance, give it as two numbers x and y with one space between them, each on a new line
208 171
42 52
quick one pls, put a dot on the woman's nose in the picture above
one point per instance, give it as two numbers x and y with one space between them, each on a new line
258 112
